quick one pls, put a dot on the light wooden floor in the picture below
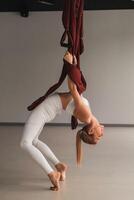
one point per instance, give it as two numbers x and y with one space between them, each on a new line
107 171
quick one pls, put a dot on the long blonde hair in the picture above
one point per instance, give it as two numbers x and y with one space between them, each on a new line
84 136
78 149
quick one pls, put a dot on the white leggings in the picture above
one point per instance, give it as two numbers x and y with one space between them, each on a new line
43 113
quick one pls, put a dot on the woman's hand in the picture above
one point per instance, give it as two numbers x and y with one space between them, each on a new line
69 58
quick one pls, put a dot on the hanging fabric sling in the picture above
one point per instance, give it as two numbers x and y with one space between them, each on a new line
72 18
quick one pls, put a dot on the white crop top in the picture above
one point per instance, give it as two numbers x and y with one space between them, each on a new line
71 106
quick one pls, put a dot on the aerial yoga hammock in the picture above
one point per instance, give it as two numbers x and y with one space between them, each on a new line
72 18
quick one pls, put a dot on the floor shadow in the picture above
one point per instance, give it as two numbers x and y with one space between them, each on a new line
12 180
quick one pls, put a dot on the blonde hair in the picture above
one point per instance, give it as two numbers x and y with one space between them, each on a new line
78 149
86 138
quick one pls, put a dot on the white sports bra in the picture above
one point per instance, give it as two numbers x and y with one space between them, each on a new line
71 106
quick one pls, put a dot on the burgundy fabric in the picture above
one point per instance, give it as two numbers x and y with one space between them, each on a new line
74 74
72 18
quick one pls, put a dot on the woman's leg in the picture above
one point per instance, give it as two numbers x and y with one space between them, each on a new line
61 167
32 130
46 150
29 133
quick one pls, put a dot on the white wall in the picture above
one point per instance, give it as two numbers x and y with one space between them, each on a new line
31 61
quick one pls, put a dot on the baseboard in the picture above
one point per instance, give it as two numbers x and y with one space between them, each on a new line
64 124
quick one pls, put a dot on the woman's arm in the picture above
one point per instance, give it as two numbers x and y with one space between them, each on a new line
75 94
71 85
82 111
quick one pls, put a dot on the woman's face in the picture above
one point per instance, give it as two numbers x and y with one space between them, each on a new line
97 131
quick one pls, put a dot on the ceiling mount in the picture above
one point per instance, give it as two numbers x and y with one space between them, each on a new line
45 2
24 7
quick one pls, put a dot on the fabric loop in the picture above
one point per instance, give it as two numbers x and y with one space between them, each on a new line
63 38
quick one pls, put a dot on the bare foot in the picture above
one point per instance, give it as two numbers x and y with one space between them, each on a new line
62 168
54 178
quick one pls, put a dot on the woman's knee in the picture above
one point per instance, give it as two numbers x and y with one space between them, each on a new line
24 144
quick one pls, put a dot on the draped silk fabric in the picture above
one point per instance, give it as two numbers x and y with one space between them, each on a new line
72 18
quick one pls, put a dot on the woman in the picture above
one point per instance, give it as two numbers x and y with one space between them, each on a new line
74 104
